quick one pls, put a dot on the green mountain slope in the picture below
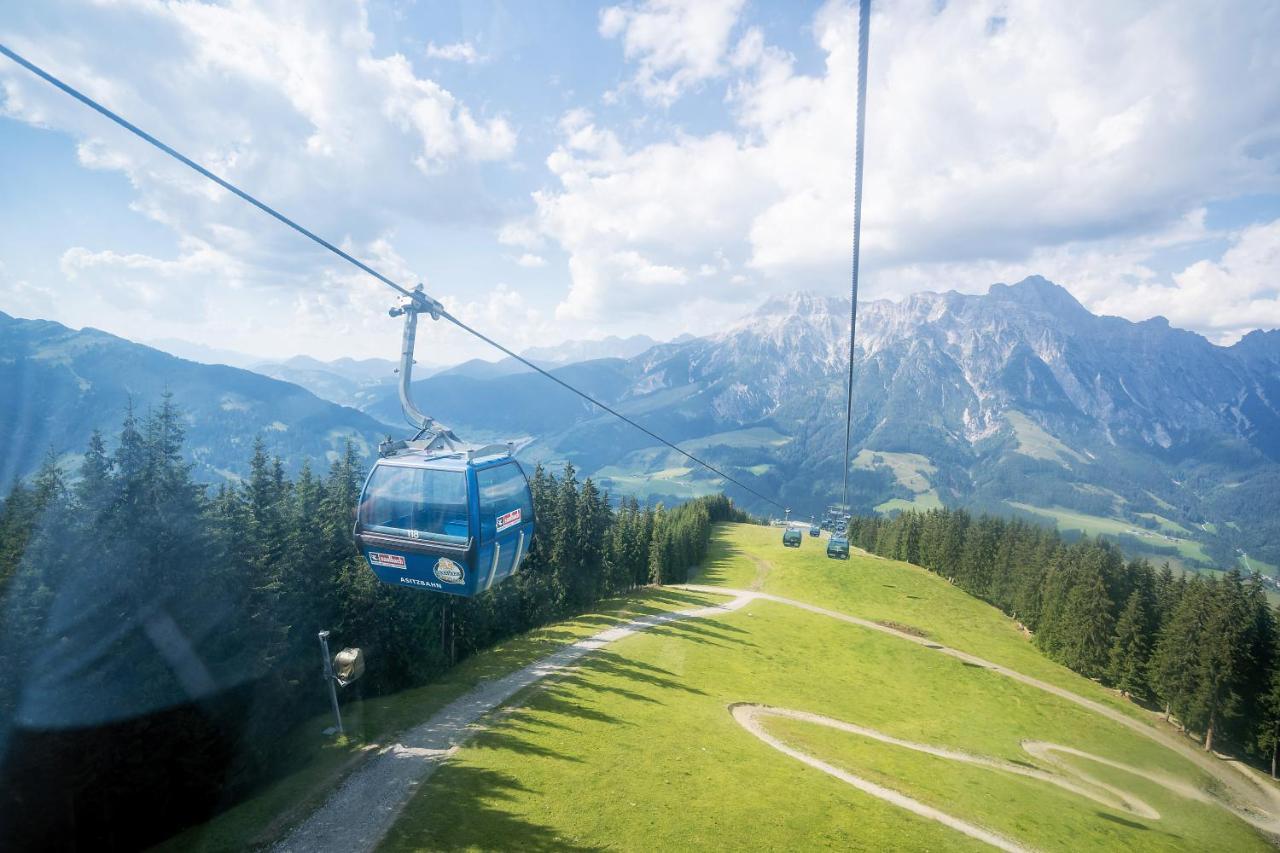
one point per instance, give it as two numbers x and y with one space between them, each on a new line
58 385
639 747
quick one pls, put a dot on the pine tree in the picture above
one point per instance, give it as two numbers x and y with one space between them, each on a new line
566 543
94 491
1224 656
1175 664
17 520
1089 623
1167 594
1268 726
50 484
1130 650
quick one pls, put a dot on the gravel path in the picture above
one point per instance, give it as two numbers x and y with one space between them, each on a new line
748 716
1251 798
360 812
1070 778
363 809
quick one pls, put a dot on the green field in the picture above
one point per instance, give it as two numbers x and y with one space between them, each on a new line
663 482
1263 568
1173 528
751 437
321 763
926 501
1096 525
911 471
1033 441
660 471
636 748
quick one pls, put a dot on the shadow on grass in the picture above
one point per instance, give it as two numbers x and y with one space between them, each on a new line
506 737
1131 824
669 595
586 684
696 634
553 698
463 808
611 663
523 719
720 553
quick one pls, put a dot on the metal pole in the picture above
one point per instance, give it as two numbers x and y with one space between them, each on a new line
328 676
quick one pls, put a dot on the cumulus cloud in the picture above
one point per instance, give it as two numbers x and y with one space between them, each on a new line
289 100
523 235
503 307
676 44
1009 137
462 51
1081 141
177 286
1224 298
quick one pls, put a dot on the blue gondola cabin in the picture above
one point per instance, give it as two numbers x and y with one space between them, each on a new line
452 522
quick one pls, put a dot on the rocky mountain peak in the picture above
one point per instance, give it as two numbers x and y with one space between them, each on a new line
801 303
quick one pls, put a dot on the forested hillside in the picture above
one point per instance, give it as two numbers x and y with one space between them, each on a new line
244 576
1019 402
58 385
1205 648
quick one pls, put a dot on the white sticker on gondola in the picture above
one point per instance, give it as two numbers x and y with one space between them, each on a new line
508 519
448 571
391 561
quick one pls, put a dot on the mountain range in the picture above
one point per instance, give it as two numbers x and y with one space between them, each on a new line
58 385
1018 401
356 382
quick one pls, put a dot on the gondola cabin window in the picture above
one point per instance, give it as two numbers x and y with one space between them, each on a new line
504 498
416 502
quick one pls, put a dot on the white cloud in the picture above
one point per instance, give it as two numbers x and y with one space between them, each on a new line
1224 298
676 44
1068 140
643 218
176 287
522 235
290 101
993 145
462 51
503 308
1076 140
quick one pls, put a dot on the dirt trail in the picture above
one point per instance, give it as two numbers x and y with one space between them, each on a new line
1250 798
1070 778
363 809
763 567
1093 788
748 716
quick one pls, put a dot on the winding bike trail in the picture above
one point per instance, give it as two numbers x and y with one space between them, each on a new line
358 815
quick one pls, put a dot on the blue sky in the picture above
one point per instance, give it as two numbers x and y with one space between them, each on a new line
568 170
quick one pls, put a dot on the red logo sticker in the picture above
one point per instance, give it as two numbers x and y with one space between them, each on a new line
508 519
391 561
